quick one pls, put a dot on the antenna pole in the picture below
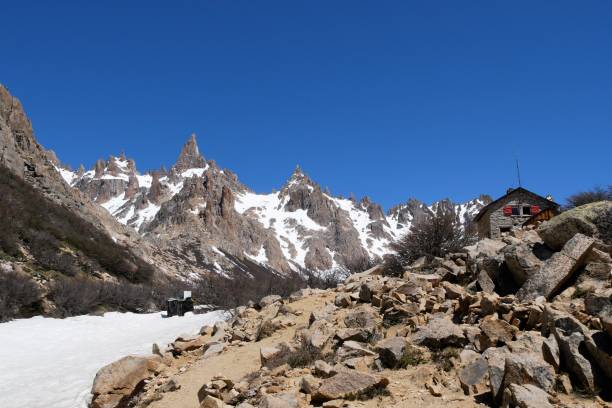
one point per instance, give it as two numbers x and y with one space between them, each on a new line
518 172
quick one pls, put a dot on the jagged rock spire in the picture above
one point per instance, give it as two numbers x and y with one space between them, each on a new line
190 156
99 168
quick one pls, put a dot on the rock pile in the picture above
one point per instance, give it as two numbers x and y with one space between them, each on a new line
511 323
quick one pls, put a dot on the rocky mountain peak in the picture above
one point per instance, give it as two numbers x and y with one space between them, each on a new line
299 180
190 157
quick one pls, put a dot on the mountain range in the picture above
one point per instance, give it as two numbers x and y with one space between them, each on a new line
197 218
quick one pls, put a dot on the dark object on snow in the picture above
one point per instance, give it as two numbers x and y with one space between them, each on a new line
178 307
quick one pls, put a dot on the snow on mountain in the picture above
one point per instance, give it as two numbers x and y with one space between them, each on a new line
312 229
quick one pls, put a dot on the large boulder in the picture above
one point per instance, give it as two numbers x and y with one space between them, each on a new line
525 396
268 300
528 368
521 262
474 375
440 332
280 400
556 270
497 331
362 317
391 351
576 363
594 220
117 382
348 384
486 247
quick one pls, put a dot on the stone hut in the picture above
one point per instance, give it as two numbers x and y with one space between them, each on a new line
512 209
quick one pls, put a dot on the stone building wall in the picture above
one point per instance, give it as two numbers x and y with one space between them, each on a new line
491 223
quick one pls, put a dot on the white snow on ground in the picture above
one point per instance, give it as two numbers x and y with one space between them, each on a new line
51 363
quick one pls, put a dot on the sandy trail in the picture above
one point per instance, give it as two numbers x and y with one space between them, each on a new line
236 362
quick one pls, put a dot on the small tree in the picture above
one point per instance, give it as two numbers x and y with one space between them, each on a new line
432 236
590 196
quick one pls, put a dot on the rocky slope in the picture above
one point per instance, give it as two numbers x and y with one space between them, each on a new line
48 227
202 212
525 321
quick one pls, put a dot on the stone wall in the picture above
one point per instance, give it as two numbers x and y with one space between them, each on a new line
489 225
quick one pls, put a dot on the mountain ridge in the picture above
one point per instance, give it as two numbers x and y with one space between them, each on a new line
299 226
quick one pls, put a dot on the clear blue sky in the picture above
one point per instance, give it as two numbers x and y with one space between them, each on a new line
389 99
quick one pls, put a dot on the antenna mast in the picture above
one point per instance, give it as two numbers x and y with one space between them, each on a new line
518 171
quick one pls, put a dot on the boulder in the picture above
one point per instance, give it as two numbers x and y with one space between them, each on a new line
440 332
391 351
362 317
598 301
343 300
496 361
574 361
347 384
117 382
599 346
214 349
268 300
556 270
212 402
521 262
365 293
267 354
170 386
322 369
525 396
279 400
528 368
309 384
473 377
487 247
485 282
587 219
551 353
318 334
497 331
362 335
326 313
353 349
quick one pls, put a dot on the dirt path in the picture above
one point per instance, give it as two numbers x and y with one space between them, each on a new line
234 363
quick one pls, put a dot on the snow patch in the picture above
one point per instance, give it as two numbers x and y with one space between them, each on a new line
57 359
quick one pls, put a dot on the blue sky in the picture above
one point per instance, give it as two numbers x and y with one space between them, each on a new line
389 99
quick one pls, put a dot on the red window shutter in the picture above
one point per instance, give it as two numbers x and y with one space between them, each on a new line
507 211
535 209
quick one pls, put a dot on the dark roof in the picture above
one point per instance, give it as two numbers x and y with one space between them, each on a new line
484 209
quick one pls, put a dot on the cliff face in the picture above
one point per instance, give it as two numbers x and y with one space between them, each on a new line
49 226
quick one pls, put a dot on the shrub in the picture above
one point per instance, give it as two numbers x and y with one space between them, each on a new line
412 356
76 296
444 358
305 355
57 236
432 236
18 293
590 196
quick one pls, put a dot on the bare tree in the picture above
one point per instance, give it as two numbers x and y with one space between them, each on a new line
432 236
598 193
